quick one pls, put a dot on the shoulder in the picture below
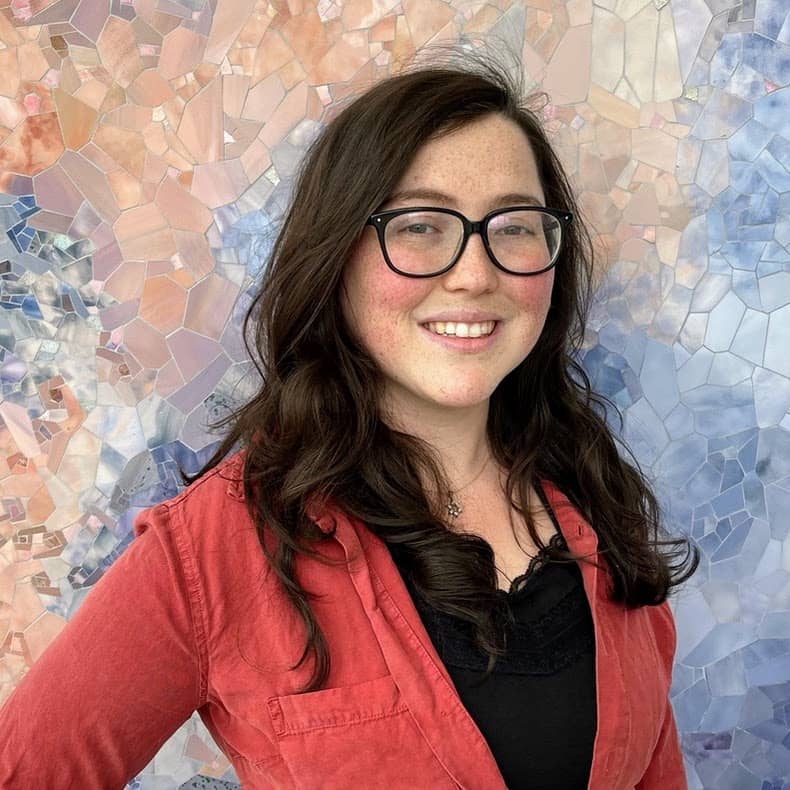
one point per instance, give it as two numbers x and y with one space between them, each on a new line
211 496
208 522
212 537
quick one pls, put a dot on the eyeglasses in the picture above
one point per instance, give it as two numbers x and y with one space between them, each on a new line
427 242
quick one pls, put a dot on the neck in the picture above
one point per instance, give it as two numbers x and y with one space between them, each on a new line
457 435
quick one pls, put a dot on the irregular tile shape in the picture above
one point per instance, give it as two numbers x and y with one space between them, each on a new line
117 48
723 322
182 50
143 234
209 305
126 188
426 18
54 190
226 23
218 183
150 89
641 32
17 422
33 146
654 147
193 393
125 147
181 209
201 126
776 356
89 17
608 43
162 304
566 73
77 119
712 176
263 99
192 351
147 345
342 61
668 83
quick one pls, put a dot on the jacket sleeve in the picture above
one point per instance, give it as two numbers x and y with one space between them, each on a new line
124 673
666 770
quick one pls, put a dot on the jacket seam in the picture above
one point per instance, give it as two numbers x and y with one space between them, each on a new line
193 487
196 598
287 731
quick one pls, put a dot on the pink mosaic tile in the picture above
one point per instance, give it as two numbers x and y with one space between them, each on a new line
117 48
201 127
146 344
77 119
162 304
92 183
55 191
34 145
181 209
210 301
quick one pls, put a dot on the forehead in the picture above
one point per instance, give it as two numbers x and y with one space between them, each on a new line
491 155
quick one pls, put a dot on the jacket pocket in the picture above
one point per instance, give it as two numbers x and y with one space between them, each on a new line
360 736
371 699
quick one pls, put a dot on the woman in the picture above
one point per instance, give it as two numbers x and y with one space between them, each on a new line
427 566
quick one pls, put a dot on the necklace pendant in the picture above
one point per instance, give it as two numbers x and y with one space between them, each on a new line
454 508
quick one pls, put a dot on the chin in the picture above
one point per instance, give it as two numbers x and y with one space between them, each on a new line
462 400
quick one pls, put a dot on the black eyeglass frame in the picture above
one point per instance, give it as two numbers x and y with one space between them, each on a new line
380 219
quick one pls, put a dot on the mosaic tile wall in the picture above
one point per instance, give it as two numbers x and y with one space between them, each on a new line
146 154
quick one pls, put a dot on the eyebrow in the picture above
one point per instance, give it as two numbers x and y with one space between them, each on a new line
507 199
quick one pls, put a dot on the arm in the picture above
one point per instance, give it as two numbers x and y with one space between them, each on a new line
119 679
666 770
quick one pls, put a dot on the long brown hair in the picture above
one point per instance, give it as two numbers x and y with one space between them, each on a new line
314 430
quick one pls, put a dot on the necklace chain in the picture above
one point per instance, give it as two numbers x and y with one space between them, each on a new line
454 505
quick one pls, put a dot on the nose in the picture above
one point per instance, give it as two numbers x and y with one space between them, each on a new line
474 270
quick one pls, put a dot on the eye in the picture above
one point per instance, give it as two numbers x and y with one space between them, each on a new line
519 224
419 224
421 228
515 230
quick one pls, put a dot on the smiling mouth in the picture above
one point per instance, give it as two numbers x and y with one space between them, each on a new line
461 329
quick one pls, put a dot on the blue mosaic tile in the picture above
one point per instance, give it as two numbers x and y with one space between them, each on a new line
659 382
776 356
728 369
689 706
723 713
726 59
680 422
727 677
722 640
768 57
745 286
722 114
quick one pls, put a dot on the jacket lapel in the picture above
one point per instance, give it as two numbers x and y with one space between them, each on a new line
421 676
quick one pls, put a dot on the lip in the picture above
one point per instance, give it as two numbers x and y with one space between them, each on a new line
467 345
462 316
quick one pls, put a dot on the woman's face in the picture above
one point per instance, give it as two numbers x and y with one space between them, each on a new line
482 166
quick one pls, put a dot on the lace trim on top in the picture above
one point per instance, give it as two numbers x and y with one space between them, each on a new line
546 621
537 562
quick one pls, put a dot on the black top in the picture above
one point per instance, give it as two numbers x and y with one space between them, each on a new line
537 711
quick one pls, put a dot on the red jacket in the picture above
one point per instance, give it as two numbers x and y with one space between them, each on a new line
191 617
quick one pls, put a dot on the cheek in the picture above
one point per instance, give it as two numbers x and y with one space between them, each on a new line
380 304
397 294
534 294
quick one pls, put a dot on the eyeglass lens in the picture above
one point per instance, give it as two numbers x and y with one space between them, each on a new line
423 242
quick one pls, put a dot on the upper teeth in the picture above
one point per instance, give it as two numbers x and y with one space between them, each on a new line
460 329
